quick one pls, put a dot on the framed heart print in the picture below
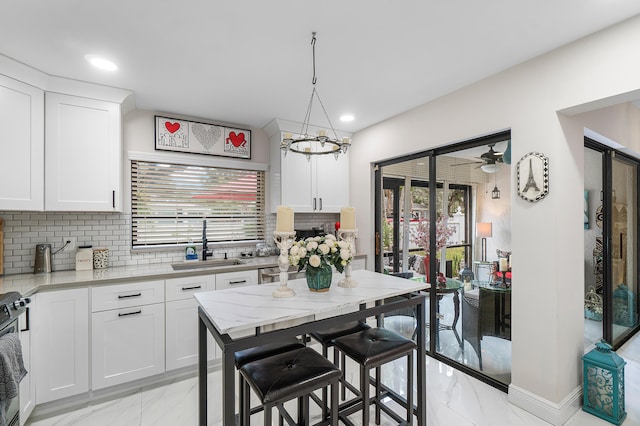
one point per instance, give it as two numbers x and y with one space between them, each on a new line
533 177
201 138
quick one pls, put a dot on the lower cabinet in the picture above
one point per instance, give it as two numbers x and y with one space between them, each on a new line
126 343
182 321
60 338
28 383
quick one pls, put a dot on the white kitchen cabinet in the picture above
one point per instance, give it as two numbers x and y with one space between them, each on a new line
181 332
83 154
127 343
60 337
317 185
236 279
28 383
22 146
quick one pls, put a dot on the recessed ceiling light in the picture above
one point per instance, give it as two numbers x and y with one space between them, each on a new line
347 117
103 64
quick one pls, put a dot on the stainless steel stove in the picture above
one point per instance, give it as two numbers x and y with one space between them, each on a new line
12 306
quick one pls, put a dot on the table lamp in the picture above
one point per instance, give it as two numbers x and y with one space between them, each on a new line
484 231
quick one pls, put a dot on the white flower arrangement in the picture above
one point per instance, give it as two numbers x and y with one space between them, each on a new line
317 251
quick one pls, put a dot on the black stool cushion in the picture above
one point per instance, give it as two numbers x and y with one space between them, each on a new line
326 336
374 346
252 354
289 375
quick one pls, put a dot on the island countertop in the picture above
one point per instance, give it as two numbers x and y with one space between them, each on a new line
244 308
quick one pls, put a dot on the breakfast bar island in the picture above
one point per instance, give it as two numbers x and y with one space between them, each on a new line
245 317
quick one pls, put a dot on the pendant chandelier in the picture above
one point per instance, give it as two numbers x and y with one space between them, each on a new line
321 144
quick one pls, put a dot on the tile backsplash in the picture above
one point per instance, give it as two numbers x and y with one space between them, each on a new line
23 230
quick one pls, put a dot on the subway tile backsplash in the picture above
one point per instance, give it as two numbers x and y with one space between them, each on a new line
23 230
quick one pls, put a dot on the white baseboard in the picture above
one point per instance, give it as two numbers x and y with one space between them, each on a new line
556 414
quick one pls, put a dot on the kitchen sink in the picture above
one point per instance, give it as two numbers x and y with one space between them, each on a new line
213 263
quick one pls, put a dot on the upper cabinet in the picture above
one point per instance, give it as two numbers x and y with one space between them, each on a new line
319 184
83 154
61 142
22 146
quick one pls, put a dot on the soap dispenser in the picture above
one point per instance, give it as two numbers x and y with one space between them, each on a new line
190 252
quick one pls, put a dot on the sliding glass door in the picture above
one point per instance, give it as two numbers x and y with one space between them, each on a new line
458 188
611 245
623 294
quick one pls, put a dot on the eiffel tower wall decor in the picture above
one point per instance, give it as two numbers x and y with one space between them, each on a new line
533 177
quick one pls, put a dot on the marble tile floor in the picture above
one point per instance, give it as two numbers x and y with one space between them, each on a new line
453 399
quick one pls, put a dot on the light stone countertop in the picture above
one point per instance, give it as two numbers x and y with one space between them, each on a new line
28 284
239 309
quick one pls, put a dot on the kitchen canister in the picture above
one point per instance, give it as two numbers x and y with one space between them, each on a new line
84 258
100 258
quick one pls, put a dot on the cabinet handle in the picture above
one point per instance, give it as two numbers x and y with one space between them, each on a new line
26 328
191 288
113 199
238 282
314 203
129 295
320 203
130 313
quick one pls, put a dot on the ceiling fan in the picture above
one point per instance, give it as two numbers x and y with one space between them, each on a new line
489 160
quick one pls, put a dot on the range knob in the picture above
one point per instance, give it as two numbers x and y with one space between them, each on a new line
20 303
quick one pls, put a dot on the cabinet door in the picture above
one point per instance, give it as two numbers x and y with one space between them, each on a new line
332 183
127 344
298 190
28 383
61 344
83 154
182 335
22 146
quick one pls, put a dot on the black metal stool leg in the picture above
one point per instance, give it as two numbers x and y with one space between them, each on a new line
410 388
364 390
325 409
334 404
267 414
378 393
245 409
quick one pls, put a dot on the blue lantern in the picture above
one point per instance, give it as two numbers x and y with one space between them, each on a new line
466 275
603 390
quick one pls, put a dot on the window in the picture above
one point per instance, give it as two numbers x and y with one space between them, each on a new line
170 201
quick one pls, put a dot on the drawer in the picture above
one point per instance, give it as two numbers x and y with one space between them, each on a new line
126 295
184 288
234 279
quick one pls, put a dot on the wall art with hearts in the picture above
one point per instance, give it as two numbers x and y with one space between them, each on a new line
201 138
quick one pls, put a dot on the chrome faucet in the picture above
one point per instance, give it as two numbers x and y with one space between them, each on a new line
205 250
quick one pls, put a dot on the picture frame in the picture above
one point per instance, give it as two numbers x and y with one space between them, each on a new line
193 137
533 177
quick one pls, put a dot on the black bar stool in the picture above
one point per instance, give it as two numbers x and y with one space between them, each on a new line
372 348
294 374
259 352
325 338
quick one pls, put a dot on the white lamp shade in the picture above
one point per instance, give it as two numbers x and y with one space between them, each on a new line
484 229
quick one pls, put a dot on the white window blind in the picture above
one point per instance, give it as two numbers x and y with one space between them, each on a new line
170 201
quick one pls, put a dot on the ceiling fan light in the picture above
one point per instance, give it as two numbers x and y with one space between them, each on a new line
489 168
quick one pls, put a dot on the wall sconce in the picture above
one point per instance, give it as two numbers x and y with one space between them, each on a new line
484 231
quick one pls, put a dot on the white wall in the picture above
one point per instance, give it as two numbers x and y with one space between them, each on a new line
547 237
